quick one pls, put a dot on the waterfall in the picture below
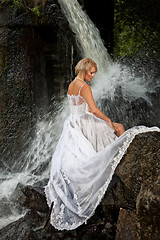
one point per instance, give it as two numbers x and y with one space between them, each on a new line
88 37
110 74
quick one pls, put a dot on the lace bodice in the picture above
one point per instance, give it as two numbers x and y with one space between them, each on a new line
77 103
75 100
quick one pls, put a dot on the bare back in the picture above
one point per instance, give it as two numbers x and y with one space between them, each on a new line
75 87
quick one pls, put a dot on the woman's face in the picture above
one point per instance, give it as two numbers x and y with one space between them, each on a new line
90 74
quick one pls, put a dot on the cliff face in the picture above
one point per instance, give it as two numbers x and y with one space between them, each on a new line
37 53
129 209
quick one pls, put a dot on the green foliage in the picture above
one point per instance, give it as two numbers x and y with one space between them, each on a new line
17 3
36 10
137 26
27 6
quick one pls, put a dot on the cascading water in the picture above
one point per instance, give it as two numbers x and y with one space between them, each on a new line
122 86
88 38
116 88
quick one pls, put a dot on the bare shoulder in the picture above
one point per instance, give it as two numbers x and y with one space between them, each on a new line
75 86
86 91
71 85
86 87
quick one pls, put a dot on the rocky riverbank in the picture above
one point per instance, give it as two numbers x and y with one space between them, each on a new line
129 210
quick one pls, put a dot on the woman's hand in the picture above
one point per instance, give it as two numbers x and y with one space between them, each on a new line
119 129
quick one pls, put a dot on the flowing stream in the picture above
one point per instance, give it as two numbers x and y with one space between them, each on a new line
116 88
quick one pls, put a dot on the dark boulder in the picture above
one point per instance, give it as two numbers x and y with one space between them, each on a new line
126 225
22 228
32 199
141 161
148 209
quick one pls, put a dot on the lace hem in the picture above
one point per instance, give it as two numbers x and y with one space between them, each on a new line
57 223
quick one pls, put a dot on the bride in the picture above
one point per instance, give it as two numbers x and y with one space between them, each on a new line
88 151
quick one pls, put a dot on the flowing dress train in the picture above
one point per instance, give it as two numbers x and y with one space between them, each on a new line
83 164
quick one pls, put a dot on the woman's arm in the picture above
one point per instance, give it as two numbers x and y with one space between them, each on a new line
86 93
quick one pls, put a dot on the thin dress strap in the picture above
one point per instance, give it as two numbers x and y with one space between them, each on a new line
80 89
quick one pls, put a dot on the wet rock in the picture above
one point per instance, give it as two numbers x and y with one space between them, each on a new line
96 228
33 199
118 195
148 209
141 161
39 186
145 112
126 225
22 228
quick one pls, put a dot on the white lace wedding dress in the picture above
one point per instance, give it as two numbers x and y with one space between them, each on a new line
83 163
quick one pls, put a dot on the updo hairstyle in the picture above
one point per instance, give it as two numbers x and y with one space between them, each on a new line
84 65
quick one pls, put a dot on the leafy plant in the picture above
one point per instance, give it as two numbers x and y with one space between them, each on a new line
36 10
137 26
35 7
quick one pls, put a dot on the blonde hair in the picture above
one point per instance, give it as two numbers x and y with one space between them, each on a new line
84 65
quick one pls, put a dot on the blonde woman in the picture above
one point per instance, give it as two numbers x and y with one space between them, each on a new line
85 71
88 151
